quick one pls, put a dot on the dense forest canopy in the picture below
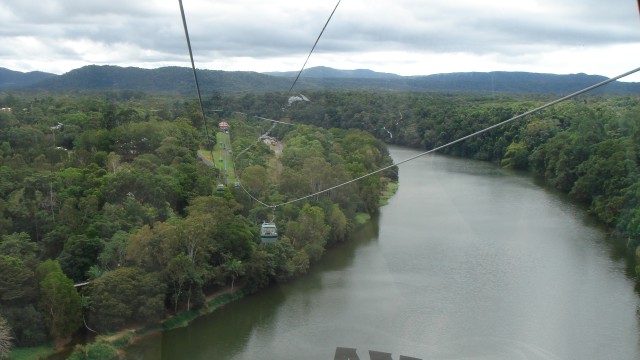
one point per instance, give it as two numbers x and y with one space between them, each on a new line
107 187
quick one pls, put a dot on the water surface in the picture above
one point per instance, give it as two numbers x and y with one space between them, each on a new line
467 261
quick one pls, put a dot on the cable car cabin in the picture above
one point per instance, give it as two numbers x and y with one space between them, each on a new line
220 188
268 233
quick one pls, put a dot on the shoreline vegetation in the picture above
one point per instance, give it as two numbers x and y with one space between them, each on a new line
90 183
124 338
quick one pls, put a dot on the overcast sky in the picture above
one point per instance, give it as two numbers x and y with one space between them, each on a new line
406 37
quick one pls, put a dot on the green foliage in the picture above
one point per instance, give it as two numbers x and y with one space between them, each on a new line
20 246
309 232
27 324
125 295
183 275
60 305
78 255
516 156
15 278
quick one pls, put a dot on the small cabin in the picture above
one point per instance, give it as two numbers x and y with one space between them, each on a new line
220 188
268 233
224 126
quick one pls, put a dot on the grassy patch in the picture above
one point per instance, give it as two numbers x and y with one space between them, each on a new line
223 145
32 353
180 320
205 153
123 340
183 319
222 299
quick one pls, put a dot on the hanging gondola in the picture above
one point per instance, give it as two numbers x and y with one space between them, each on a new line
268 232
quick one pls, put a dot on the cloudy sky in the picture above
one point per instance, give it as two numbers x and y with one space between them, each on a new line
407 37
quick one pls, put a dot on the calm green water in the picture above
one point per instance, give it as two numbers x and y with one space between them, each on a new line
466 262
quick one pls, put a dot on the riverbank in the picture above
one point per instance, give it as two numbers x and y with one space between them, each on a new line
116 343
119 340
130 335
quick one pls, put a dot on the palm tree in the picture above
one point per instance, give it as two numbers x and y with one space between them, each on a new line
236 269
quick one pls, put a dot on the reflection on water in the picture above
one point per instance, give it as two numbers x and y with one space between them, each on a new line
467 261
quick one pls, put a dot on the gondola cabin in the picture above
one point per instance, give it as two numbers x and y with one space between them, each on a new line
220 188
268 233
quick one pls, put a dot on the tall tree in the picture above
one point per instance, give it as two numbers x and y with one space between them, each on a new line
234 268
182 274
60 304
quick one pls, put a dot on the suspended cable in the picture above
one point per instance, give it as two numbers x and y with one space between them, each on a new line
257 141
312 48
294 81
275 121
195 77
542 107
264 118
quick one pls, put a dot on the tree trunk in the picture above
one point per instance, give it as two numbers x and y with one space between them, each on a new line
189 299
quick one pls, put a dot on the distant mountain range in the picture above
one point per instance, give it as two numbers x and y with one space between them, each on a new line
180 80
324 72
16 79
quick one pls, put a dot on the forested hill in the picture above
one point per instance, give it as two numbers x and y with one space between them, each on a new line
180 80
16 79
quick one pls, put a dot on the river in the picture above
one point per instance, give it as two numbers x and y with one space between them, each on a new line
467 261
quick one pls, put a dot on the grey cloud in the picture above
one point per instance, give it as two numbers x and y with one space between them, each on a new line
271 29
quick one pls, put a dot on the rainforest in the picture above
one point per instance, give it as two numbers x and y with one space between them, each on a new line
108 189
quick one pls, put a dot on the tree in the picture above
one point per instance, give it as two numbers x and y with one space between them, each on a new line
338 223
235 268
255 180
125 295
114 252
182 275
113 162
139 247
46 267
19 245
79 254
516 156
15 280
60 304
5 338
309 232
